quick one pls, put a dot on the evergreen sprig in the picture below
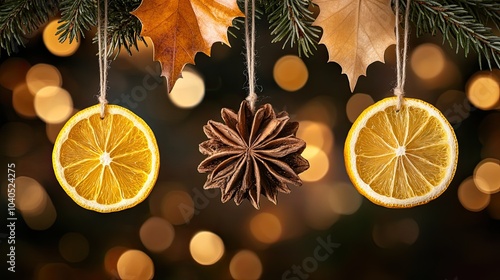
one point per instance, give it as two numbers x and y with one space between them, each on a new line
123 28
465 24
292 20
19 18
461 24
77 16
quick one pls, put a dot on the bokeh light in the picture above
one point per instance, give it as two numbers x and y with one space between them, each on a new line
245 265
344 198
494 206
454 105
206 247
470 197
23 101
177 207
13 72
52 129
483 90
487 175
17 139
135 265
42 75
51 40
156 234
316 134
189 90
53 104
290 73
356 104
111 259
55 271
319 213
427 61
319 164
266 227
320 109
405 231
73 247
31 197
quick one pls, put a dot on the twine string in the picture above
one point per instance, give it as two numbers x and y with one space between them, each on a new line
250 52
102 41
401 57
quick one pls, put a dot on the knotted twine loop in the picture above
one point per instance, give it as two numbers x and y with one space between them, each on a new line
102 41
401 58
250 52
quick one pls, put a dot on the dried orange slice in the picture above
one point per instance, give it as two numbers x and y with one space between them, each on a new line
401 159
107 164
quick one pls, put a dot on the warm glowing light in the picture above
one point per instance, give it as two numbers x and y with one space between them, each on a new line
53 129
135 264
356 104
156 234
494 206
404 231
344 199
51 271
319 164
17 139
316 134
470 197
320 109
34 204
22 101
73 247
42 75
13 72
454 105
266 227
177 207
31 197
51 41
111 259
290 73
483 90
245 265
486 175
53 104
427 61
206 248
188 90
318 212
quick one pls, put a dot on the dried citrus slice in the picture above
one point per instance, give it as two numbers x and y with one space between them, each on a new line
107 164
403 158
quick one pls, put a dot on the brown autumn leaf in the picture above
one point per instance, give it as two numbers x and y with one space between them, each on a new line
356 33
181 28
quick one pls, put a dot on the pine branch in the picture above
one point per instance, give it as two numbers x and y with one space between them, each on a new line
123 28
457 22
77 16
485 11
19 18
292 20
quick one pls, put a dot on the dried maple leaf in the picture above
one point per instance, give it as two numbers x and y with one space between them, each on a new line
181 28
356 33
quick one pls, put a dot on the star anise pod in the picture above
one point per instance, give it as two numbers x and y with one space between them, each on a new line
252 154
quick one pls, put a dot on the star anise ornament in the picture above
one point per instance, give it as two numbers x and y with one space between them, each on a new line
252 154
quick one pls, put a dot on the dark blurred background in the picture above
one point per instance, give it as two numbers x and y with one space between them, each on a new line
322 230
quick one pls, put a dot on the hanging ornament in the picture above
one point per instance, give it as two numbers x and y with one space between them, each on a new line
401 152
253 152
105 157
